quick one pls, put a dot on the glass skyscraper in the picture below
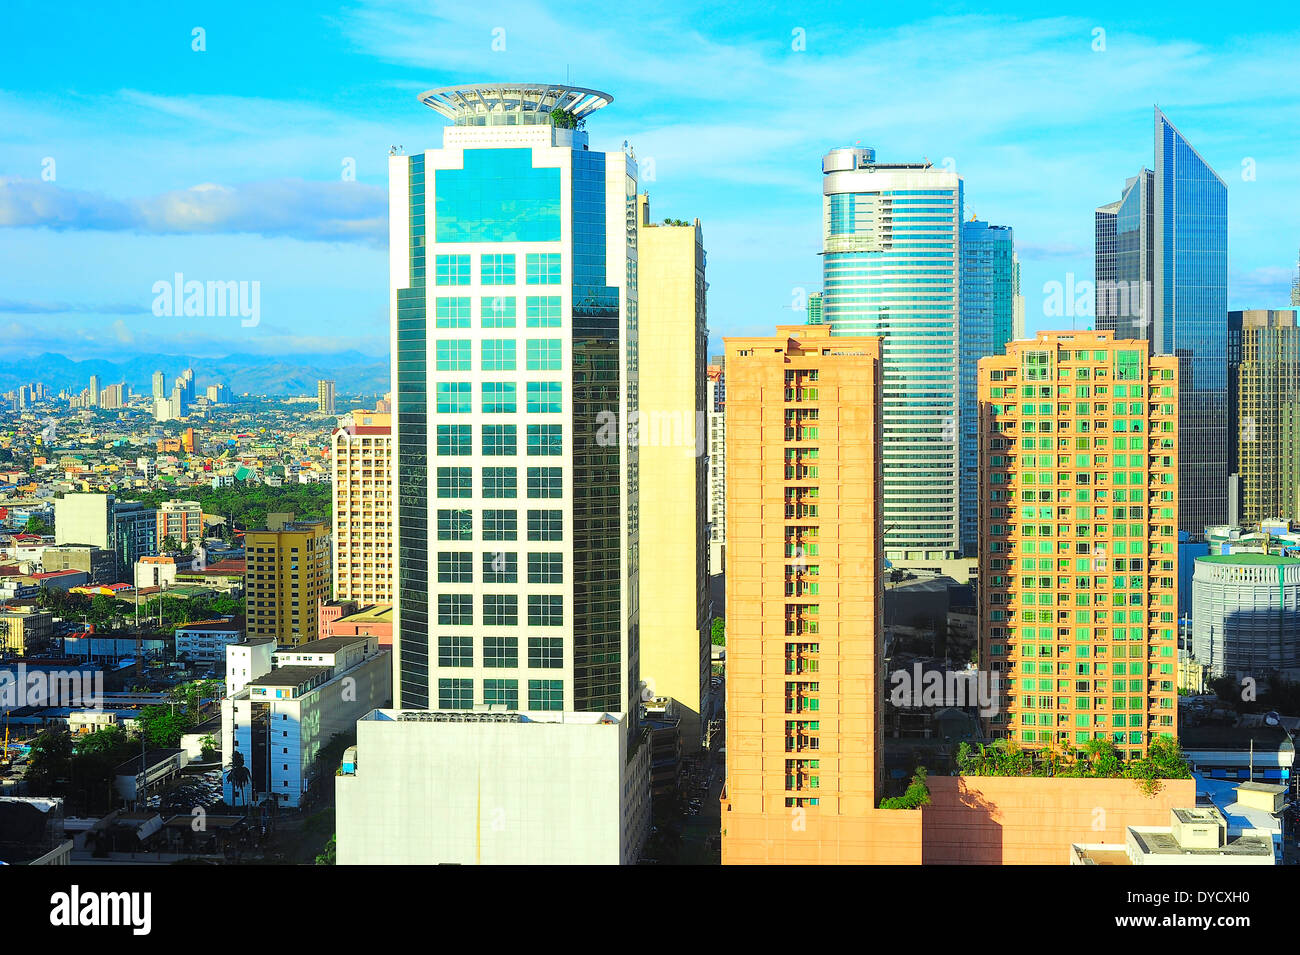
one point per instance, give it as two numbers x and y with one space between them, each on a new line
1169 287
988 291
890 261
515 373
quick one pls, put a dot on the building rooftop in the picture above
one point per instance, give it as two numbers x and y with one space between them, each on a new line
1250 560
325 645
1153 841
489 104
289 676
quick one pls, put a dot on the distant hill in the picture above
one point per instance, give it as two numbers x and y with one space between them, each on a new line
352 371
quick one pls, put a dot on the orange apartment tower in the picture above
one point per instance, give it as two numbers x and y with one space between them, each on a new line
804 599
1078 486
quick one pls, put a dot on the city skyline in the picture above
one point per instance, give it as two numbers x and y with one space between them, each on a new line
155 173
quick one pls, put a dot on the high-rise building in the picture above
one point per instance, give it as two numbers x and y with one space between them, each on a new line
672 430
1246 614
717 403
159 385
988 306
286 575
515 372
362 449
180 520
1079 499
804 596
325 396
1169 288
1264 403
815 308
890 257
1105 267
94 392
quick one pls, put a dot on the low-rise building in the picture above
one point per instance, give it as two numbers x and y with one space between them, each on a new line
25 632
205 641
1194 836
247 660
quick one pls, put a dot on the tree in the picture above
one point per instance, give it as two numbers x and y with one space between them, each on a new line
328 856
169 544
916 795
37 525
238 775
719 632
49 765
102 609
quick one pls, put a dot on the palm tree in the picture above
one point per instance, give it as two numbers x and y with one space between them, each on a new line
238 775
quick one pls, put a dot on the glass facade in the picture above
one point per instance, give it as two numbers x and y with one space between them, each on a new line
890 269
499 196
987 311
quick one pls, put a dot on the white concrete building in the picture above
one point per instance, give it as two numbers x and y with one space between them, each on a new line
206 641
493 788
280 720
247 660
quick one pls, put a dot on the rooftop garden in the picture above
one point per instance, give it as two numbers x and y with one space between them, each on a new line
1098 759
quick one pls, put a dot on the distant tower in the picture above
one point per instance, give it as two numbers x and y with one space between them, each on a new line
325 396
159 385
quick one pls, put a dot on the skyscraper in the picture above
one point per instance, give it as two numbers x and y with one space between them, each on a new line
94 391
515 491
1169 288
672 427
1079 503
288 574
1264 396
891 251
989 285
804 596
717 404
363 508
325 396
159 386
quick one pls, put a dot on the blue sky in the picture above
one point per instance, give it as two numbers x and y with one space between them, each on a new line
228 163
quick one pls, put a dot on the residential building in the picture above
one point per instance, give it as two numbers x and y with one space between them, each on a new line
1264 408
461 787
127 529
1166 271
672 431
815 308
135 534
805 631
325 396
374 622
362 448
286 573
717 403
205 641
1246 613
280 720
988 293
891 260
247 660
1078 569
180 520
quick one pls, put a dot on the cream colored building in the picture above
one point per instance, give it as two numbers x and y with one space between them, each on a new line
286 574
672 442
363 510
479 787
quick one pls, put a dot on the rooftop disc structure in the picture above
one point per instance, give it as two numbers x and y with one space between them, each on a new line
512 104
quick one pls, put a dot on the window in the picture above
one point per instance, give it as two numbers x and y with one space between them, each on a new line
545 482
455 694
497 268
501 652
545 440
455 610
500 610
546 694
455 440
543 397
455 524
545 610
500 440
499 397
501 692
545 653
455 482
453 397
543 354
545 568
455 651
455 567
542 268
497 311
453 354
545 525
499 354
500 525
451 269
500 482
451 312
500 567
542 311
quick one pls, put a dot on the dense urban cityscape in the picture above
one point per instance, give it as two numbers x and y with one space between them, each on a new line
917 576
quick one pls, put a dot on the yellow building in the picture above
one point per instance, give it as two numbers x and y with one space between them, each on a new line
286 574
25 632
363 510
804 598
1078 540
673 467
